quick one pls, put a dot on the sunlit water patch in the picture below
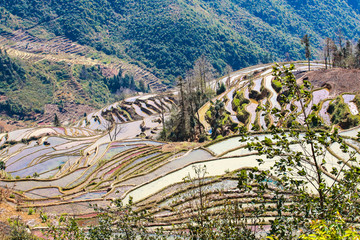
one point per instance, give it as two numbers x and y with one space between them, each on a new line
323 112
44 166
43 193
90 195
25 161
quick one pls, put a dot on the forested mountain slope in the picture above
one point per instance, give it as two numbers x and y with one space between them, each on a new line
167 36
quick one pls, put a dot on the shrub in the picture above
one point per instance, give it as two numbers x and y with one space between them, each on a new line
31 211
277 86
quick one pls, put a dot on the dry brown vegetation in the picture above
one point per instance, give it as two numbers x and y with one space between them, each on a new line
337 80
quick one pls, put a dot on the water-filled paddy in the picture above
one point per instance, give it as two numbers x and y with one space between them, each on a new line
99 153
86 174
112 151
214 167
42 131
44 166
191 157
131 99
257 84
43 193
13 149
138 162
351 133
348 98
59 130
319 95
138 111
323 112
238 152
29 184
75 147
151 103
228 106
48 174
21 163
55 141
353 108
225 145
145 97
17 135
107 170
24 152
273 101
2 139
251 108
90 195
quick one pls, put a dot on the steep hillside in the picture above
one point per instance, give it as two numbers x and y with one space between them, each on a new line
59 83
166 37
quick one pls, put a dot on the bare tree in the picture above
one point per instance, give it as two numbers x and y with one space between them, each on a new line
228 71
203 72
112 127
328 49
306 41
199 206
162 112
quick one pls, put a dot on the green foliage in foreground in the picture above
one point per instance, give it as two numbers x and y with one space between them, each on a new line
19 231
304 172
334 230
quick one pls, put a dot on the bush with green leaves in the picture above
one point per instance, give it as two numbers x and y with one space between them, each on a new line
19 231
219 119
331 230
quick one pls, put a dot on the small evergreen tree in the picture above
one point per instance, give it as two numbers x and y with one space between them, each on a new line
220 88
2 165
56 121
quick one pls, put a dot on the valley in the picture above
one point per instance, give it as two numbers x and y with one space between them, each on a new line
171 119
63 169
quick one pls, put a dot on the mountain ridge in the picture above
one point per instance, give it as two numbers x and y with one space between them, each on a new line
166 37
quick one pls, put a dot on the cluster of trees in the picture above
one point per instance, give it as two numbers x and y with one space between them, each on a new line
12 75
123 81
12 78
219 120
194 91
336 53
343 54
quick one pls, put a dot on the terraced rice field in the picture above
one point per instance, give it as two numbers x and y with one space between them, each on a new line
259 80
64 169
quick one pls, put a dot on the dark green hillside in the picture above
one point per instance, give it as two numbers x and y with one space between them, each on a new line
26 87
21 87
167 36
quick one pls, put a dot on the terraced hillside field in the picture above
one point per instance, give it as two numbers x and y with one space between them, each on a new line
23 45
255 87
64 169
